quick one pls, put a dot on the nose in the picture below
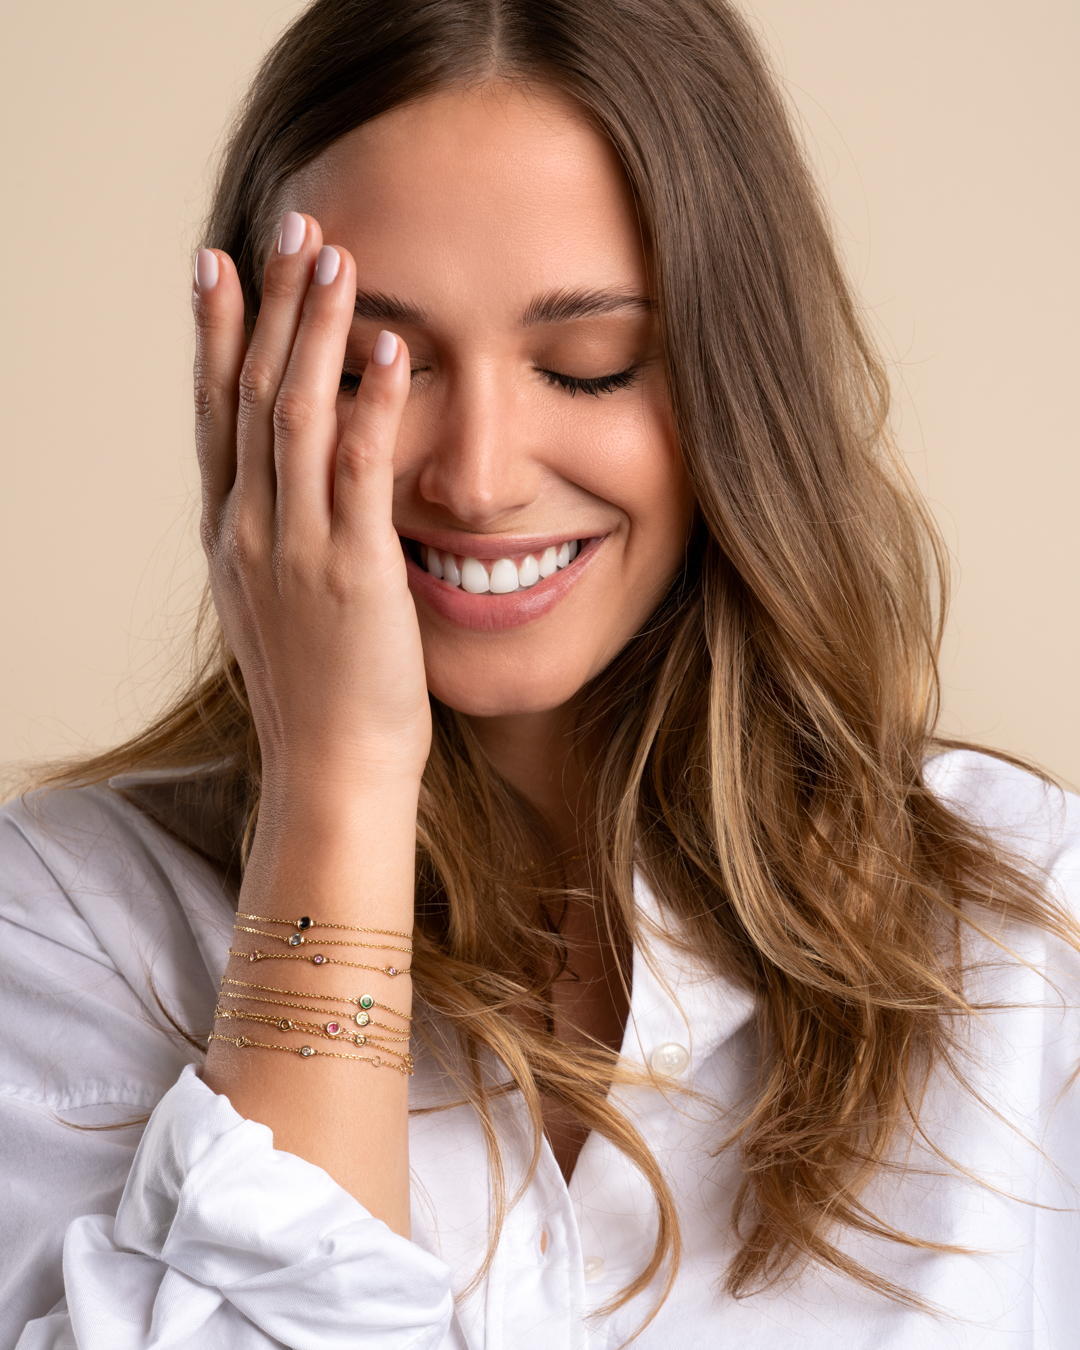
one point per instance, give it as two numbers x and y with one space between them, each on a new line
480 464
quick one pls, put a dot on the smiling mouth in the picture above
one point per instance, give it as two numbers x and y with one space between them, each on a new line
496 576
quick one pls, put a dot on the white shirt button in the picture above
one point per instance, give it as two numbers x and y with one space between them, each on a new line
669 1059
594 1268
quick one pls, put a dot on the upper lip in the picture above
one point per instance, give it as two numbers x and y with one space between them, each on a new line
489 547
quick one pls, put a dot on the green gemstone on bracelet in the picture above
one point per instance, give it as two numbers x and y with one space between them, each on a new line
366 1001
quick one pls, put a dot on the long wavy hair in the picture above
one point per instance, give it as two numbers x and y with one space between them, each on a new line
765 734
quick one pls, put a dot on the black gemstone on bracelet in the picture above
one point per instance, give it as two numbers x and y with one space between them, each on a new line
303 923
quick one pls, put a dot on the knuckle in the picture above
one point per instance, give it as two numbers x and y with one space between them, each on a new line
355 455
255 385
292 413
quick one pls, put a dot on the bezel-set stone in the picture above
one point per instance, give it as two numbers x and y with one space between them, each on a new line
366 1001
360 1038
319 960
295 939
362 1019
304 923
391 970
333 1028
306 1051
285 1024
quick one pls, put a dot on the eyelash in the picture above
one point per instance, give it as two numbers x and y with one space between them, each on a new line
573 384
600 384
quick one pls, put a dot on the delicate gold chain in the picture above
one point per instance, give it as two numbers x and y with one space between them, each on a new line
298 940
307 1051
306 1007
326 998
319 960
286 1024
304 923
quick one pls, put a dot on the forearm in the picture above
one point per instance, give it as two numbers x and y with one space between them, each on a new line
341 859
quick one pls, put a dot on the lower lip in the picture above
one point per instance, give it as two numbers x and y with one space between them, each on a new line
489 613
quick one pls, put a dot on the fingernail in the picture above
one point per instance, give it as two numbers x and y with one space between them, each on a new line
385 349
206 270
293 229
326 265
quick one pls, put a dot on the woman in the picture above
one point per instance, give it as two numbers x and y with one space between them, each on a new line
602 946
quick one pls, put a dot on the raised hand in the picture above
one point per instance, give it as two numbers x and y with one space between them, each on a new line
307 571
310 582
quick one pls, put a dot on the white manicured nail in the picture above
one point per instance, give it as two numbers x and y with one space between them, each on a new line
385 349
326 265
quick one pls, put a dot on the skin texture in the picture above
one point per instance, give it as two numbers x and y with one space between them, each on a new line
468 211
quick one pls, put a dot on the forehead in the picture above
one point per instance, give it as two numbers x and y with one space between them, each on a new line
498 193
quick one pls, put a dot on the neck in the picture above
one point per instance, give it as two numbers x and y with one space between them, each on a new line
537 753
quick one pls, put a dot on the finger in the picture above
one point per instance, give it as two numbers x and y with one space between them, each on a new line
219 353
286 278
364 467
305 413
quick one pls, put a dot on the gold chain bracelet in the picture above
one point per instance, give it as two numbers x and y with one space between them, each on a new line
298 940
362 1001
307 1051
304 923
319 960
362 1019
286 1024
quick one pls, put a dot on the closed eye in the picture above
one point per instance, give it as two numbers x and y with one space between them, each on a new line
597 385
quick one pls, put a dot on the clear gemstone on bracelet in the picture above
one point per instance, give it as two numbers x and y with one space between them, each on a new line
295 940
362 1019
306 1051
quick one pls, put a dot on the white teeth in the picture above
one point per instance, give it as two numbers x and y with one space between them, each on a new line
505 577
474 577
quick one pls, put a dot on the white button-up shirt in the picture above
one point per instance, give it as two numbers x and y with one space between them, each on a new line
192 1232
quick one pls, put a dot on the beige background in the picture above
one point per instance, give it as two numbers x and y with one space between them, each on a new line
945 135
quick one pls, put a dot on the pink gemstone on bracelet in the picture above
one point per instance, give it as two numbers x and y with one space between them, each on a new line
318 960
332 1028
390 970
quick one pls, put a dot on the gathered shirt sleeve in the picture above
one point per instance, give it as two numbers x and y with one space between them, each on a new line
188 1229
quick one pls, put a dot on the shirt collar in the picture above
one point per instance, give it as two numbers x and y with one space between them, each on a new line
676 999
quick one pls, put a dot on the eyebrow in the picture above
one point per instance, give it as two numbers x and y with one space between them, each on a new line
559 306
563 306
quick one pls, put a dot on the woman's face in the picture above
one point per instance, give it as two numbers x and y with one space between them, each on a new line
495 232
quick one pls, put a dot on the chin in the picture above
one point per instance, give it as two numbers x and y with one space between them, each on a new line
485 694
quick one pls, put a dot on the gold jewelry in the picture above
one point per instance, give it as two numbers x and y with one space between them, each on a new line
362 1001
319 960
298 940
307 1051
286 1024
305 923
306 1007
